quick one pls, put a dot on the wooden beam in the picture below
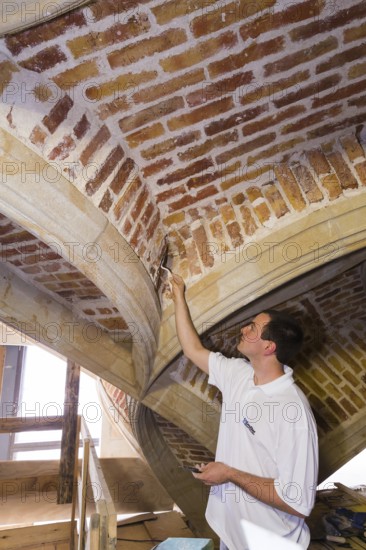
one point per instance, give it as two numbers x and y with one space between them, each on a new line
23 537
69 434
102 497
12 424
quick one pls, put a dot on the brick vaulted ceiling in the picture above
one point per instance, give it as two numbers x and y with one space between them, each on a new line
224 137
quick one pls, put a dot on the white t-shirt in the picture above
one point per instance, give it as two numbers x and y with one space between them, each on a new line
269 431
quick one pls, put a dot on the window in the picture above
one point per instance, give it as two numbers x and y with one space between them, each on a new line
39 389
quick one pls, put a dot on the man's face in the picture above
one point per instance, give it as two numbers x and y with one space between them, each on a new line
250 343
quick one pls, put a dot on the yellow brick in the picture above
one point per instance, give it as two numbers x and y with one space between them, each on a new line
121 84
357 70
70 78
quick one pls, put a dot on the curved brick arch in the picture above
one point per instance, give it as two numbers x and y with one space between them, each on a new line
59 126
313 239
31 202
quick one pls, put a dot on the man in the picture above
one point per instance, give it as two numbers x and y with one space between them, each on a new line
266 462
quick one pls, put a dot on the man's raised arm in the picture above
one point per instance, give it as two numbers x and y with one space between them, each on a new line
186 332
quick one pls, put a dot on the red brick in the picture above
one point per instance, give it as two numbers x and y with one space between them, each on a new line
254 52
170 193
338 60
303 56
183 173
234 120
201 113
156 167
187 200
290 187
275 150
63 149
163 147
127 227
38 136
270 121
310 120
278 20
109 109
328 25
58 114
106 202
201 240
81 127
203 179
312 89
122 83
224 87
340 93
153 226
145 48
355 33
200 52
331 128
307 183
44 32
124 173
145 134
246 147
357 101
124 202
121 32
344 174
17 237
148 212
96 143
139 203
122 10
107 168
44 60
273 90
222 15
151 113
205 147
275 200
170 86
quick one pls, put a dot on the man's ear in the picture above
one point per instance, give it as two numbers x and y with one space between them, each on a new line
270 347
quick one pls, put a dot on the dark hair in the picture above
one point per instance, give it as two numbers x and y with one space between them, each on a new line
285 332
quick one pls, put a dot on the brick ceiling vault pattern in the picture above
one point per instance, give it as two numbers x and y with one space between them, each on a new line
43 266
163 113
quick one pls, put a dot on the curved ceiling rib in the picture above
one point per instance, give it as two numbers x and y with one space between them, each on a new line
59 214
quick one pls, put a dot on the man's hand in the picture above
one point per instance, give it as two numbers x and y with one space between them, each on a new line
177 286
213 473
263 489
